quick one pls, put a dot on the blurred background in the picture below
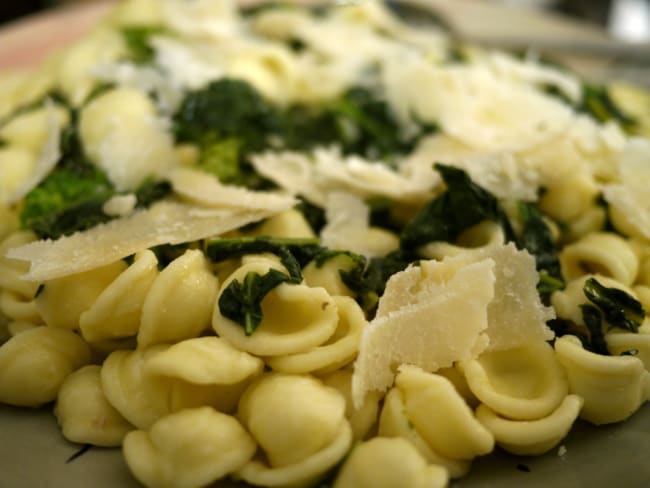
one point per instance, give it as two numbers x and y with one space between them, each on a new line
623 19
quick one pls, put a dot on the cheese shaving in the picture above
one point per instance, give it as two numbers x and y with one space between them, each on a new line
163 223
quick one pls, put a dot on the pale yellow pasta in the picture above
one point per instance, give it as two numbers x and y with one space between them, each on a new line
61 301
295 317
395 422
569 199
121 134
205 371
485 234
300 426
12 269
388 463
622 342
73 69
17 307
16 166
35 362
603 253
340 349
593 220
179 302
9 222
361 419
84 414
642 293
137 13
613 387
441 416
328 275
139 396
289 223
117 310
18 326
30 130
457 378
187 449
532 437
525 383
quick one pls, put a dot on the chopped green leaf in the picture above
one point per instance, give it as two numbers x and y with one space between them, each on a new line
151 191
619 308
222 158
314 215
597 102
462 205
137 40
242 302
593 320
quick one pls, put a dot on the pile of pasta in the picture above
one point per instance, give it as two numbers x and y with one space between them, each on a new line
457 355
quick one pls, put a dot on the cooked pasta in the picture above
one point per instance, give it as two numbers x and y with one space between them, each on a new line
293 246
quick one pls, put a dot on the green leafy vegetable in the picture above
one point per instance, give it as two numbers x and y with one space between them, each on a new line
314 215
462 205
593 320
537 239
151 191
137 40
597 102
619 308
242 302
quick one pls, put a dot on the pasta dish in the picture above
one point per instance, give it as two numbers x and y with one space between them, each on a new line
318 246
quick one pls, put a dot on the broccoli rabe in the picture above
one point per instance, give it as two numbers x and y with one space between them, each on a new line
619 308
137 40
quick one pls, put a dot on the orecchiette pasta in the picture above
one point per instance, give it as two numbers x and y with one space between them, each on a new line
299 425
191 448
84 414
613 387
35 362
389 462
483 235
328 275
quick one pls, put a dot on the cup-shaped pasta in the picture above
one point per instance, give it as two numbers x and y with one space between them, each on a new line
289 223
613 387
485 234
187 449
441 416
18 307
621 342
139 396
84 414
604 253
328 274
61 301
300 426
386 463
12 269
524 383
18 326
361 419
116 312
340 349
206 371
569 199
531 437
295 319
35 362
394 422
180 300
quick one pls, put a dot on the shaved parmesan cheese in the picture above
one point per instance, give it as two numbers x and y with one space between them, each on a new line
205 189
628 198
440 322
201 18
163 223
50 153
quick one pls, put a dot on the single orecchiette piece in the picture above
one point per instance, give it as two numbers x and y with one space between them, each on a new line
531 437
338 350
567 200
300 426
296 317
140 396
12 269
600 252
388 463
524 383
18 307
61 301
441 416
180 300
483 235
84 414
205 371
289 223
34 363
361 419
187 449
622 342
394 422
613 387
116 311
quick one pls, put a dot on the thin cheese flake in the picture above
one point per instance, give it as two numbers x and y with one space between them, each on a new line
207 190
442 322
164 223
